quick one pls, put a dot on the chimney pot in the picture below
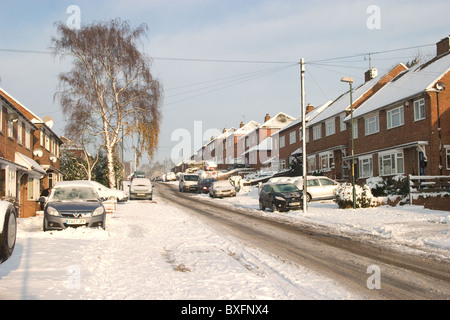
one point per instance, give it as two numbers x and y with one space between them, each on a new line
241 124
267 117
309 108
370 74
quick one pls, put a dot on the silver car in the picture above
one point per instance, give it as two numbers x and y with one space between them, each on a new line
141 188
222 188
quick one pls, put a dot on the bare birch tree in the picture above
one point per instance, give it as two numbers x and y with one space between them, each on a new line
110 83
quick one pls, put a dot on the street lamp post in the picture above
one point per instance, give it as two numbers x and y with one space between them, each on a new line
349 80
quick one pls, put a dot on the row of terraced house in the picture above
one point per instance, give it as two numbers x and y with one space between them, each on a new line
29 155
401 125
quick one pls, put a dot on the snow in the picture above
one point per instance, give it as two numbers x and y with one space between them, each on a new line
153 250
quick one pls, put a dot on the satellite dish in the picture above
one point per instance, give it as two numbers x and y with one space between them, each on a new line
48 121
38 152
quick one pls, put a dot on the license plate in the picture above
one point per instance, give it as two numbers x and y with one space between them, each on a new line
295 203
141 194
75 221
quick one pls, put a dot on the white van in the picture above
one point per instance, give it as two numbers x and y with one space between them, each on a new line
188 182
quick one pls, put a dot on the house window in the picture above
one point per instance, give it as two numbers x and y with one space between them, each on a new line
395 117
391 163
329 127
27 138
307 135
311 163
292 137
326 160
366 167
372 125
355 129
447 156
419 109
282 142
19 133
10 129
1 118
342 124
282 164
317 132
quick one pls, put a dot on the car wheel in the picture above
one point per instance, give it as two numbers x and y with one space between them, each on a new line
274 207
8 236
308 197
261 206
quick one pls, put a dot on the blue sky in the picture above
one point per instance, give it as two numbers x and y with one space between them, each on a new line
269 31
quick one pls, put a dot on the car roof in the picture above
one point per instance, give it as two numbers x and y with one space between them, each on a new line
73 183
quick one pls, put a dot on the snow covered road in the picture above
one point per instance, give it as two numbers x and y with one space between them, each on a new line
151 251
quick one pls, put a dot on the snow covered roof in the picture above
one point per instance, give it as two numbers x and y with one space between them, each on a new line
279 121
246 128
309 116
407 84
342 103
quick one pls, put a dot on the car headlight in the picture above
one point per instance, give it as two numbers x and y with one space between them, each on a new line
280 198
52 211
98 211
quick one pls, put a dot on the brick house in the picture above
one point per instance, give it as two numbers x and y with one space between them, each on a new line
286 143
29 155
328 142
257 143
398 127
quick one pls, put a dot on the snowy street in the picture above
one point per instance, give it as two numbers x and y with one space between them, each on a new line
155 250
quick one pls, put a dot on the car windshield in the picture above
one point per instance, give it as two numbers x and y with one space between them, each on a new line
284 188
223 183
191 178
208 180
74 193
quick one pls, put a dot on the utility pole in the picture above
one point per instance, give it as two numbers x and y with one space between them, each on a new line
303 104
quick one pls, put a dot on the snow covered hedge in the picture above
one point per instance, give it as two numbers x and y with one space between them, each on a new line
364 197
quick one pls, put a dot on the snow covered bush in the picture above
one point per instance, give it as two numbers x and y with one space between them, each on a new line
396 185
364 197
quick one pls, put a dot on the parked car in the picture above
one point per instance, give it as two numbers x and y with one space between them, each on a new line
73 204
106 193
280 196
222 188
188 182
317 187
171 176
141 188
8 230
204 185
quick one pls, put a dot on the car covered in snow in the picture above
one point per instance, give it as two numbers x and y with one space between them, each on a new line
141 188
8 230
106 193
280 196
73 204
188 182
222 188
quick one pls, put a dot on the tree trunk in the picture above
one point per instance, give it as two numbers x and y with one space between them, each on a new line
110 165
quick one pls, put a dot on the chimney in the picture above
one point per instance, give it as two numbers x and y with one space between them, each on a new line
224 130
267 117
443 46
241 124
370 74
309 108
